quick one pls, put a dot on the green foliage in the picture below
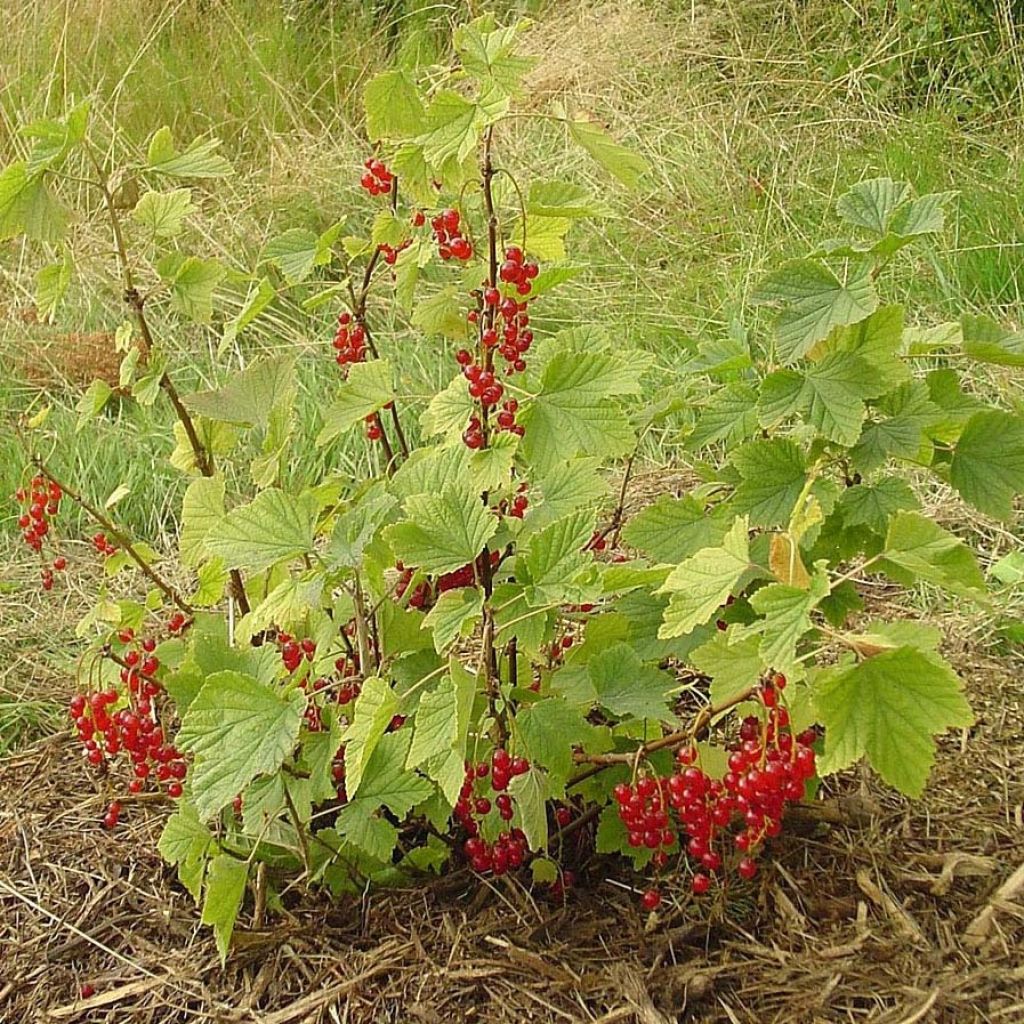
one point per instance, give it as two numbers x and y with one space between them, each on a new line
459 599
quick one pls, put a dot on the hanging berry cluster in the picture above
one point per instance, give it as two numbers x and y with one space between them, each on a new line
391 252
349 341
457 579
451 243
39 505
768 769
502 323
516 338
293 652
509 849
376 179
110 724
103 545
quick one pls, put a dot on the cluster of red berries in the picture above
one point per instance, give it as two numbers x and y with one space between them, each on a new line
132 728
102 544
768 768
516 337
312 717
349 341
294 651
374 430
390 252
39 505
457 579
338 775
451 243
517 506
376 179
347 668
517 271
509 850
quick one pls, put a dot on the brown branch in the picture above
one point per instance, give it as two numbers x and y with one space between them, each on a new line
122 538
136 303
697 730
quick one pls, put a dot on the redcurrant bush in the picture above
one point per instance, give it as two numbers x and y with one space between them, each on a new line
450 653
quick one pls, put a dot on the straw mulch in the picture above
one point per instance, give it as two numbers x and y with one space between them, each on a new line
870 910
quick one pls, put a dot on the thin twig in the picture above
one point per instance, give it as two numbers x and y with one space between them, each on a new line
697 730
122 538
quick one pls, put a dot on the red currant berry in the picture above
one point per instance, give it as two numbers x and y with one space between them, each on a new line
651 899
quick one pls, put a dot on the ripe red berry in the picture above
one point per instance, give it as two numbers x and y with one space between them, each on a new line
86 991
651 899
747 868
700 884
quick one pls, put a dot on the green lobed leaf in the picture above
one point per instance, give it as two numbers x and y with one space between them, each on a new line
488 54
871 204
452 612
443 531
449 411
374 836
566 488
226 877
200 160
564 199
787 617
622 163
888 708
814 301
729 417
237 728
261 295
833 395
575 412
988 462
355 530
92 402
393 106
27 206
386 780
923 548
367 390
986 341
192 282
185 844
549 730
733 664
555 558
164 213
452 128
375 707
910 414
249 396
872 505
699 585
275 526
773 476
529 793
442 314
627 687
675 528
52 283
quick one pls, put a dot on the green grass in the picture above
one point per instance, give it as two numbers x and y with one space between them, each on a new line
755 117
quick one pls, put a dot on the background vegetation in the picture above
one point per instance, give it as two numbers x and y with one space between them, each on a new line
755 115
